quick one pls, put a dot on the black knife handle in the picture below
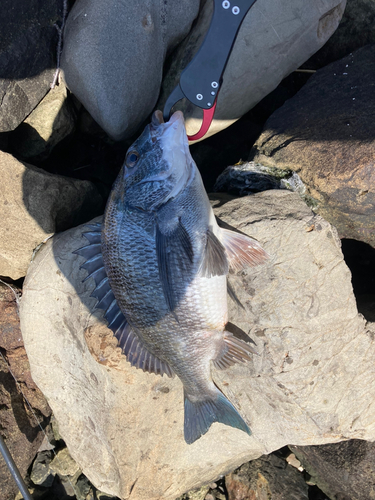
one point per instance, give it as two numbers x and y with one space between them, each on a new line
201 79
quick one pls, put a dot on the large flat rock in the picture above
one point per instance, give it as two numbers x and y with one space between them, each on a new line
313 382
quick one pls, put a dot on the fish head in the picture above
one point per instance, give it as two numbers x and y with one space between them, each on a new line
158 166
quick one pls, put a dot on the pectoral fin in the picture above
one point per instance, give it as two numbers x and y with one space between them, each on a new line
175 259
242 250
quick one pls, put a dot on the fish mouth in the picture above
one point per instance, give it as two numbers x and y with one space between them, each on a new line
157 119
173 140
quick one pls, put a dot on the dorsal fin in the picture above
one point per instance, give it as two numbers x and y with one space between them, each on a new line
133 348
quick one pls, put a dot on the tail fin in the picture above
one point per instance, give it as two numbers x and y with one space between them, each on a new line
200 415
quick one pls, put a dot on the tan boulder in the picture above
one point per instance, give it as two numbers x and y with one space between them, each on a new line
125 427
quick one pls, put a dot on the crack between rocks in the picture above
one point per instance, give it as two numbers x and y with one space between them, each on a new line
132 488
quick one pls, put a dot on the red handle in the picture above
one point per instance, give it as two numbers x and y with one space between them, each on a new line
208 115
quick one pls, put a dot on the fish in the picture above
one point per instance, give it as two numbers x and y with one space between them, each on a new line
160 263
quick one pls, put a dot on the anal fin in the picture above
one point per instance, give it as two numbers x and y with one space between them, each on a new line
233 351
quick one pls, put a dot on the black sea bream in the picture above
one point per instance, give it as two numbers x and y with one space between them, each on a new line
161 263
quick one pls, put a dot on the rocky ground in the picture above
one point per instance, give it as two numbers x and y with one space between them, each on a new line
299 123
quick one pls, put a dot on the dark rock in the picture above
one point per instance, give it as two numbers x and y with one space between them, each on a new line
356 29
247 178
82 487
114 53
343 471
20 412
41 474
28 45
325 133
200 494
63 465
267 478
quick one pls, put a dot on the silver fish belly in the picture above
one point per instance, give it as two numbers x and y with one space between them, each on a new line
161 264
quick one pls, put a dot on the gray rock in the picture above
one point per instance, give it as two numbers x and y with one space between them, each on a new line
28 45
344 471
199 494
41 474
125 428
114 53
249 177
33 205
268 477
104 496
63 465
82 488
274 40
325 134
48 124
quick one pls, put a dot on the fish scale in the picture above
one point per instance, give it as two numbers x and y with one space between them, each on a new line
166 263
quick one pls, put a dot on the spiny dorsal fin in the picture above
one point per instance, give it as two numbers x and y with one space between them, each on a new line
134 350
242 250
137 354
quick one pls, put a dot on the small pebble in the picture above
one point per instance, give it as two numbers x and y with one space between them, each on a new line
209 496
294 462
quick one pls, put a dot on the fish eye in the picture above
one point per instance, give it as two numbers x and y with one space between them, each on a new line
131 158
